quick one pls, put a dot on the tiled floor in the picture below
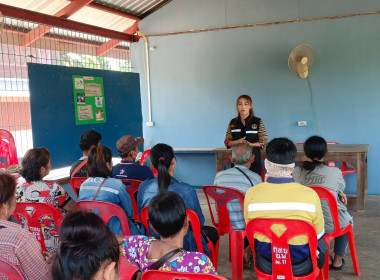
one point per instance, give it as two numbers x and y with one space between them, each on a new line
367 239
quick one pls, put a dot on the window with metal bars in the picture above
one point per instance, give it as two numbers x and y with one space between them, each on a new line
23 42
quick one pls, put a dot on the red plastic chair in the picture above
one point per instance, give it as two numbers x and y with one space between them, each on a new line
10 270
281 261
30 213
7 149
132 187
126 269
344 168
327 195
170 275
146 154
223 195
76 182
196 227
106 211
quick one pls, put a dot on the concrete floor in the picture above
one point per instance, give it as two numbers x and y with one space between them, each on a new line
367 240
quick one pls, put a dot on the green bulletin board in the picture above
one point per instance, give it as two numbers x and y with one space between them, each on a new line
89 100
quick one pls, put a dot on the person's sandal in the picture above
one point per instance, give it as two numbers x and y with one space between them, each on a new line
337 268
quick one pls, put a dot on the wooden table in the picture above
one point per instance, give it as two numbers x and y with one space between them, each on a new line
355 154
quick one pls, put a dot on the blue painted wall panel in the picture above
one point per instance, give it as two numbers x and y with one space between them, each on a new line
53 116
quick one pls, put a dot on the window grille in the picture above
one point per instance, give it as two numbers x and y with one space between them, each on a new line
56 47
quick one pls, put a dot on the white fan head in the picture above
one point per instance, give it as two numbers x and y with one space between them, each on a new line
301 59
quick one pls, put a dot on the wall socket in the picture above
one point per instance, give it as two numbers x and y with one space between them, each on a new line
149 123
302 123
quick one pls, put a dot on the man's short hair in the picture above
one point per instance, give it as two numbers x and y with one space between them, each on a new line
241 153
281 151
89 138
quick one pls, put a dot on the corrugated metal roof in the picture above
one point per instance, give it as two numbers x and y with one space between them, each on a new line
140 8
116 15
49 7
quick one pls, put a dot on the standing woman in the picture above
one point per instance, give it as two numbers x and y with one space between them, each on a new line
246 128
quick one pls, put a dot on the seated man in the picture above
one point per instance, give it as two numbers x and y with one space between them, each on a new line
280 197
87 141
238 177
128 148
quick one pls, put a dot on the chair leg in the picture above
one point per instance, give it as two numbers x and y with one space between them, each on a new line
326 266
354 256
213 253
237 254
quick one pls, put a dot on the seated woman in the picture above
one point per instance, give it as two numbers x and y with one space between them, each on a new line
36 165
88 250
314 173
17 245
167 215
163 160
100 186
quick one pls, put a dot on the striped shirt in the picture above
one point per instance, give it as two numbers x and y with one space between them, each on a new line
233 178
19 247
284 201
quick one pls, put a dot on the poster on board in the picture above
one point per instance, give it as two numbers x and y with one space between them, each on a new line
89 100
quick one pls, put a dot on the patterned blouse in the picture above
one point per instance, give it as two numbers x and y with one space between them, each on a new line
49 193
135 248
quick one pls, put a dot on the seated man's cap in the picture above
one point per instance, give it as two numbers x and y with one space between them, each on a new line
128 143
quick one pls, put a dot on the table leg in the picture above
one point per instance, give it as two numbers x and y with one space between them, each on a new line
361 168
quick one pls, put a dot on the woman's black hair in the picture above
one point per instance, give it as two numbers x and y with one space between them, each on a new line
86 243
251 113
7 188
167 213
315 149
97 162
281 151
161 156
32 162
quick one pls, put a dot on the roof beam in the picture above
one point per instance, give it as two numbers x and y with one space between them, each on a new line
107 46
112 11
40 31
13 12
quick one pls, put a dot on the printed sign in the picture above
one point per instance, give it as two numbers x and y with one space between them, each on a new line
89 100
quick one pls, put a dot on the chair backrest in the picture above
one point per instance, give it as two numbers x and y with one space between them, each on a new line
76 182
106 211
126 269
170 275
132 187
7 149
329 197
146 154
10 270
281 261
193 219
42 219
221 196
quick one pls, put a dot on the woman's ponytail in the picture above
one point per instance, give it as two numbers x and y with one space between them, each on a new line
161 157
315 149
